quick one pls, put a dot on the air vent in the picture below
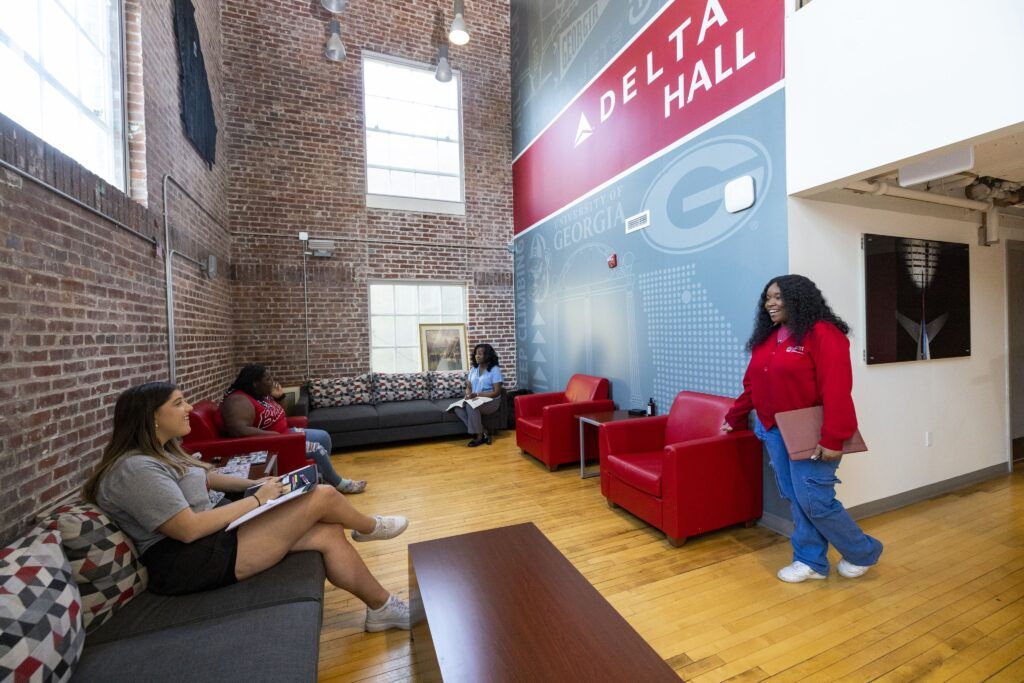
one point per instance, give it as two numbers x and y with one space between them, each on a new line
638 222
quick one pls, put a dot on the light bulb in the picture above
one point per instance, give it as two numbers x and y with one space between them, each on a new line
458 33
335 49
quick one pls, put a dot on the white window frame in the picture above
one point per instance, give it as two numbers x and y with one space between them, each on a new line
416 204
119 132
416 283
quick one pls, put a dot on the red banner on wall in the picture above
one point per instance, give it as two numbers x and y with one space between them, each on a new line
694 62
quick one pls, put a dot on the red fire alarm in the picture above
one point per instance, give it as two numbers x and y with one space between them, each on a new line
613 261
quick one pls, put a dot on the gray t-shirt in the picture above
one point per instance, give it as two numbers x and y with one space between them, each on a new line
140 493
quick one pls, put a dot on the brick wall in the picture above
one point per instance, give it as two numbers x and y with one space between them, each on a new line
83 301
297 163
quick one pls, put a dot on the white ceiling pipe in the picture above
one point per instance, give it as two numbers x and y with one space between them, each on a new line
920 195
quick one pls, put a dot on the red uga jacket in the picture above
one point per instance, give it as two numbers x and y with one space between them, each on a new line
785 376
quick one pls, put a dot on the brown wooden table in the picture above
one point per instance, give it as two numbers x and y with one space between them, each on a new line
588 437
505 605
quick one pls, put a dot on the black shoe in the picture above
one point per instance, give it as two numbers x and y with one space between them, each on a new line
487 439
475 442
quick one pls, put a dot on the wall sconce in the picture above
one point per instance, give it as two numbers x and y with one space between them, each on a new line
320 248
444 69
459 34
335 49
334 6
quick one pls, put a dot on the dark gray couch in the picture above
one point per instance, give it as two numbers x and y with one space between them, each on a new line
261 629
361 425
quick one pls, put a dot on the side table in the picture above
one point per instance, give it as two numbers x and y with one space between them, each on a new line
597 419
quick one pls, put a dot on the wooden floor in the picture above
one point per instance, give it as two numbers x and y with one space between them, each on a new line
945 603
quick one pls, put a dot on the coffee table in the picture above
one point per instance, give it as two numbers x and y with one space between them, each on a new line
597 419
505 605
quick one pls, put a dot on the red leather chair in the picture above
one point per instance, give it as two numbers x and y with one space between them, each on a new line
679 472
546 424
207 437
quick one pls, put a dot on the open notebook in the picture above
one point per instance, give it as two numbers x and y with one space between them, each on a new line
296 482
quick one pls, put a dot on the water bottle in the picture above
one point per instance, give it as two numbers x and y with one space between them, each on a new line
650 407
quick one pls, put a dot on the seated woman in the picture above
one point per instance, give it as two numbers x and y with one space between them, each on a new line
160 497
251 407
484 380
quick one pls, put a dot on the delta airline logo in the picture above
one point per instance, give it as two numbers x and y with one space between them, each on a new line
692 63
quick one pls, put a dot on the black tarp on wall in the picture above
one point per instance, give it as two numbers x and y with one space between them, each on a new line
196 103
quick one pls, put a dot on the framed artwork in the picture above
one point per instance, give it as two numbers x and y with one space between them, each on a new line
918 299
443 347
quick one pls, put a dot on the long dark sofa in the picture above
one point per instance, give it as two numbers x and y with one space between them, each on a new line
359 425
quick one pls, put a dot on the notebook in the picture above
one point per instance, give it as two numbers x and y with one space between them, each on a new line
801 431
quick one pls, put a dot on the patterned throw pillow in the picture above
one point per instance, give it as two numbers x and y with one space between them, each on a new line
402 387
447 384
103 560
40 610
346 391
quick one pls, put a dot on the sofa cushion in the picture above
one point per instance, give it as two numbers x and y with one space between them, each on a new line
409 386
402 413
531 426
344 391
344 419
447 385
298 577
278 642
40 610
103 560
640 470
442 405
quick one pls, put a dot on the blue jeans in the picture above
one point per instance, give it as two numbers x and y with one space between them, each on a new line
318 447
818 518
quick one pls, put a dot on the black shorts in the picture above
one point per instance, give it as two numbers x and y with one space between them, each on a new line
176 568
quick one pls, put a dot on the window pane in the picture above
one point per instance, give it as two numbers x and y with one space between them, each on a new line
382 360
426 186
451 301
378 181
403 183
452 319
382 299
448 157
430 300
449 189
382 330
60 45
407 331
20 96
20 21
377 149
406 299
430 319
407 359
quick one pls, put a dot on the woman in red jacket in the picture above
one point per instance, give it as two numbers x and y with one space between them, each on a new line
800 357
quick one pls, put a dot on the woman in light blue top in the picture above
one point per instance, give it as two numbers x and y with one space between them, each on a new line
484 382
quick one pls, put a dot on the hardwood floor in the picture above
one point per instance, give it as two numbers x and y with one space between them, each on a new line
945 603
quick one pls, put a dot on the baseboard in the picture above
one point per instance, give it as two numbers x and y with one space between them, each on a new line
940 488
781 525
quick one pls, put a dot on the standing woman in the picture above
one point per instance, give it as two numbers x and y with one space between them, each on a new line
251 407
160 496
800 357
484 380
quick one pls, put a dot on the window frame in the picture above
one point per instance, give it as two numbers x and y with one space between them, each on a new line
119 131
417 283
401 202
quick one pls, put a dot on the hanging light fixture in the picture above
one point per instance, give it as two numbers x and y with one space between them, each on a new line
444 69
335 49
458 34
334 6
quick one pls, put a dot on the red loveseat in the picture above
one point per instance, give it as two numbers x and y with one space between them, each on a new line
207 437
679 472
546 424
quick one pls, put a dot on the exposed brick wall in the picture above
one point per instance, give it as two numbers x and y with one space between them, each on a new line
83 301
297 163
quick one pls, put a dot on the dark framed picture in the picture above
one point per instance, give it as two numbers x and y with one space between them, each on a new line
918 299
443 347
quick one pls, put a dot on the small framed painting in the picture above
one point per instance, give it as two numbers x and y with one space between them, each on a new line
443 347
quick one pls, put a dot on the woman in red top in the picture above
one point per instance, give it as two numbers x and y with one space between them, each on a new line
250 408
800 357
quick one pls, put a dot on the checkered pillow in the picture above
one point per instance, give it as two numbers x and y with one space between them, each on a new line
40 610
447 385
103 560
402 387
346 391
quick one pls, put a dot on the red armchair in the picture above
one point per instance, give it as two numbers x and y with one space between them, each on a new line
679 472
207 437
546 425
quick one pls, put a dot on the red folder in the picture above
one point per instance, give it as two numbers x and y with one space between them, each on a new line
801 431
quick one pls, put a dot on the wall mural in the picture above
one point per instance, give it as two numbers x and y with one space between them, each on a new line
917 298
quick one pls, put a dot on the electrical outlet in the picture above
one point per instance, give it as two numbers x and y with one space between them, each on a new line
928 438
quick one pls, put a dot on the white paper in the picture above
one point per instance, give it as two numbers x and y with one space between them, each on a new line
474 402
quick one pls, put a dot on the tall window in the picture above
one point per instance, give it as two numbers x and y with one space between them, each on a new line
60 69
413 137
396 311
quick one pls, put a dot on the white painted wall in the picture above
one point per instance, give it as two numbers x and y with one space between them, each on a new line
873 82
962 401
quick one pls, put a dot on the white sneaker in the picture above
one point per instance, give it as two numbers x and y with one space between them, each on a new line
392 614
850 570
798 572
388 526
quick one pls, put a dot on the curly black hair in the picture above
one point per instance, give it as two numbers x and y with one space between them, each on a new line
805 305
246 380
490 357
